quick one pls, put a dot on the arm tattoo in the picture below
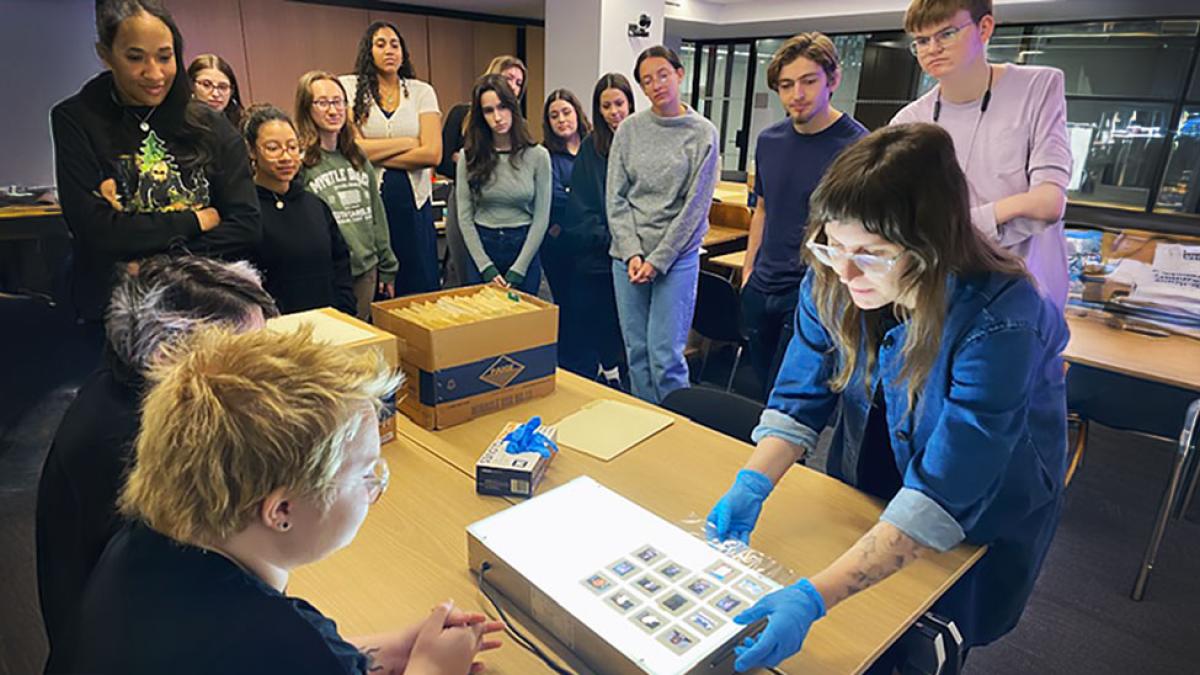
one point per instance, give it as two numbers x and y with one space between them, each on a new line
372 666
875 557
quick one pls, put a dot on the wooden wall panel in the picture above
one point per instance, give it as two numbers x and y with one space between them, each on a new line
489 40
286 39
537 87
451 60
214 27
415 29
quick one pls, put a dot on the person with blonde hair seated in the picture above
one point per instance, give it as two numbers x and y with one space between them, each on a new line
257 453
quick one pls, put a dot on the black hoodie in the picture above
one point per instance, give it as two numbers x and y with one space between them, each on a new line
96 138
303 256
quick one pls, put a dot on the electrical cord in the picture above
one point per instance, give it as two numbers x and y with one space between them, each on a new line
512 631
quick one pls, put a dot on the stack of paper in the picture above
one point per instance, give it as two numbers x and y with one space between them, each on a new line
456 310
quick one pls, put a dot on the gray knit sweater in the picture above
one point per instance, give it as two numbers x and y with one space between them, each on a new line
661 175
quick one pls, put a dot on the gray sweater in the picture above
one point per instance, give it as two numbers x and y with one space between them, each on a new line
661 175
514 197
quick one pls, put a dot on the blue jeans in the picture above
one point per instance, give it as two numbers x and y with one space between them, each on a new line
503 245
655 319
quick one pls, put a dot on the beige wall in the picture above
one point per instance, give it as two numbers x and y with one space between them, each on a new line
270 43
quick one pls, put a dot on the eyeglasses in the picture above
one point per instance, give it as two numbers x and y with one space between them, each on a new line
221 87
871 265
377 482
660 78
327 103
276 150
943 37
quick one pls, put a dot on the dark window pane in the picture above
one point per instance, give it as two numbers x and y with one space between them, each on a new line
1126 59
1123 142
1180 190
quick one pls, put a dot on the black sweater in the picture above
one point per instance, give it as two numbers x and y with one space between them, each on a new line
77 493
452 139
97 138
585 229
303 256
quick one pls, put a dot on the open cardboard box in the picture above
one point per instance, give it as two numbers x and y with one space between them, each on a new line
342 330
458 373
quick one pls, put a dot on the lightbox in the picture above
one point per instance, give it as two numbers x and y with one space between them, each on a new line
625 590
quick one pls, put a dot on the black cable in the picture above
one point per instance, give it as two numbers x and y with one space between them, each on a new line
515 634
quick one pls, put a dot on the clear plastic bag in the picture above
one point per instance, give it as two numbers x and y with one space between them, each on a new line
740 551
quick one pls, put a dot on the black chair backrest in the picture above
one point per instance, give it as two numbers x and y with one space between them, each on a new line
718 310
730 414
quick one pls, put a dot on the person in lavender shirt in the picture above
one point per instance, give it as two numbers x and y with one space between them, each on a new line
1009 125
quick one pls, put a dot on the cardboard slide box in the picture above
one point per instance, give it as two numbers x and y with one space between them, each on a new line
342 330
458 373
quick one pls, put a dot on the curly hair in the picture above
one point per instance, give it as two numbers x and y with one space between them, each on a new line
366 71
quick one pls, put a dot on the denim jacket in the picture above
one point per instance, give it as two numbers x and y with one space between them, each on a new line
985 443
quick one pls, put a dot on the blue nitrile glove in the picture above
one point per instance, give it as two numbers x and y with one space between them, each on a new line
736 513
790 613
527 438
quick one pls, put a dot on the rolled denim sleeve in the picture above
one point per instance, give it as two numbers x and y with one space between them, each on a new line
956 476
801 402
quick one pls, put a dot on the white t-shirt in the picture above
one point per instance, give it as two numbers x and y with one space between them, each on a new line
405 121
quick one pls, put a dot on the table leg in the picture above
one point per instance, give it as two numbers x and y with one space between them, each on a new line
1168 499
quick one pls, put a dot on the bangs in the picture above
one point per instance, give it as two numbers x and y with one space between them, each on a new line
855 193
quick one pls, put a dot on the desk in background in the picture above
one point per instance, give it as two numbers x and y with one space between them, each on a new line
1171 360
680 473
34 244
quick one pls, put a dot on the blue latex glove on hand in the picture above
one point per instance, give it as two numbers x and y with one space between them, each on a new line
736 513
790 613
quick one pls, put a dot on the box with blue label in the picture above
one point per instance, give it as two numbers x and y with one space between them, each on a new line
471 351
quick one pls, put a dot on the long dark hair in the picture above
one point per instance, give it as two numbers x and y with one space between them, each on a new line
306 128
902 183
480 146
366 72
186 119
233 110
552 140
602 135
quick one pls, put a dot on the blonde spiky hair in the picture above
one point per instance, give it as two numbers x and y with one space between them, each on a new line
233 417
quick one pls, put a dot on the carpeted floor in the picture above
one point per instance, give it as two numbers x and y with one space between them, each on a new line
1080 619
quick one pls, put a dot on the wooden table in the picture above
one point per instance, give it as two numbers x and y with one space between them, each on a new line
34 242
717 235
732 193
1171 360
410 555
680 472
733 262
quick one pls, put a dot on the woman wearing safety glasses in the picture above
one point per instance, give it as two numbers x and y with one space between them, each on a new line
945 361
258 453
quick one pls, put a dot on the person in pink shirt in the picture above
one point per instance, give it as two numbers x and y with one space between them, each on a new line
1009 125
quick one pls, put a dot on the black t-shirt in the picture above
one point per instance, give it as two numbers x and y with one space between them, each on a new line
452 138
303 256
156 606
877 472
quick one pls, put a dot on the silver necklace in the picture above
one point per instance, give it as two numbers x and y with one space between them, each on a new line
278 200
144 123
